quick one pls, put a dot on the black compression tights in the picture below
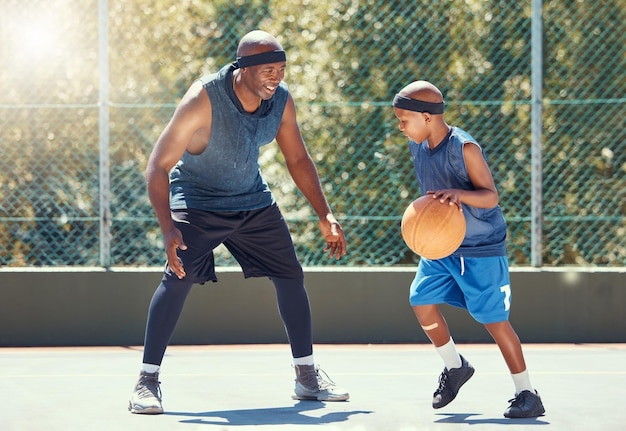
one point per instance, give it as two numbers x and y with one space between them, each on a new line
169 298
293 306
165 309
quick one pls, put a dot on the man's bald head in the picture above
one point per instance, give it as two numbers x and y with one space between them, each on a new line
257 41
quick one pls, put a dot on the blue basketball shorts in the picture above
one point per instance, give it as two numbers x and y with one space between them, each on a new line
258 239
481 285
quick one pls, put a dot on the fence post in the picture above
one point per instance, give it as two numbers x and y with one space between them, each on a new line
104 136
536 132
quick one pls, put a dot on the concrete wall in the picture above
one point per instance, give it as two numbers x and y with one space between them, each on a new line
80 307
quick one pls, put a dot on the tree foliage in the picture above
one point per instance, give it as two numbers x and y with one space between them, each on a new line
346 60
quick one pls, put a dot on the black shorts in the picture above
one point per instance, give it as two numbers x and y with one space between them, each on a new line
258 239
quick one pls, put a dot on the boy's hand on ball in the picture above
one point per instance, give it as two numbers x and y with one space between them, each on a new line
451 195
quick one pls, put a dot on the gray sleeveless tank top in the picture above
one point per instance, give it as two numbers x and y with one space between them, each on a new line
226 175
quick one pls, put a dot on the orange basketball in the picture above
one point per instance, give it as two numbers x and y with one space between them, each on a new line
432 229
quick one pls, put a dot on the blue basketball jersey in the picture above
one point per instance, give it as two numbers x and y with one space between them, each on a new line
444 168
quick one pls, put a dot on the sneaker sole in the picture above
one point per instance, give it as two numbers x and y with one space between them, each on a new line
146 411
527 416
316 398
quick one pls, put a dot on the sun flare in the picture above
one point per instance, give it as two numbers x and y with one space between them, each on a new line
31 38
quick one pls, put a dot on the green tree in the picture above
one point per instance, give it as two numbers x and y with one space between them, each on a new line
346 60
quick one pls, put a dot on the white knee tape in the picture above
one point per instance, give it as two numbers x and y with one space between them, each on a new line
430 327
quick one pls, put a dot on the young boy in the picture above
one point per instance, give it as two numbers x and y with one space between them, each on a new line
451 166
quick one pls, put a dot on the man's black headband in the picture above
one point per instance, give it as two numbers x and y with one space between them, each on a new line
275 56
417 105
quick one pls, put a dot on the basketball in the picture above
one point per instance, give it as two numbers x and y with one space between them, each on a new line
432 229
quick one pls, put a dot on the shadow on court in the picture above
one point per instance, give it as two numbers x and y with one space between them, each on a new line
476 419
293 415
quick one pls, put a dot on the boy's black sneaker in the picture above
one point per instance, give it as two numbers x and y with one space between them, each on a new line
450 381
525 405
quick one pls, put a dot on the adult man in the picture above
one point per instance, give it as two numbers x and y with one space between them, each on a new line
206 189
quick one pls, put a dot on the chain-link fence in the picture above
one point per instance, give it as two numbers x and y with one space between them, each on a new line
88 85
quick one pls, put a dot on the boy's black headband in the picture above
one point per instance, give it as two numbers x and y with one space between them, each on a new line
417 105
275 56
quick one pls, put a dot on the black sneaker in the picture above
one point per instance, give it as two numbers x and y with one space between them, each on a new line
450 381
525 405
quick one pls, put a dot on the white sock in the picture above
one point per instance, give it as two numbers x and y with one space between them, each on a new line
522 382
150 368
449 355
304 360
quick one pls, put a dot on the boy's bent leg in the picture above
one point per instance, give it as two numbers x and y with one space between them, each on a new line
457 370
294 308
509 344
433 323
165 309
527 402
